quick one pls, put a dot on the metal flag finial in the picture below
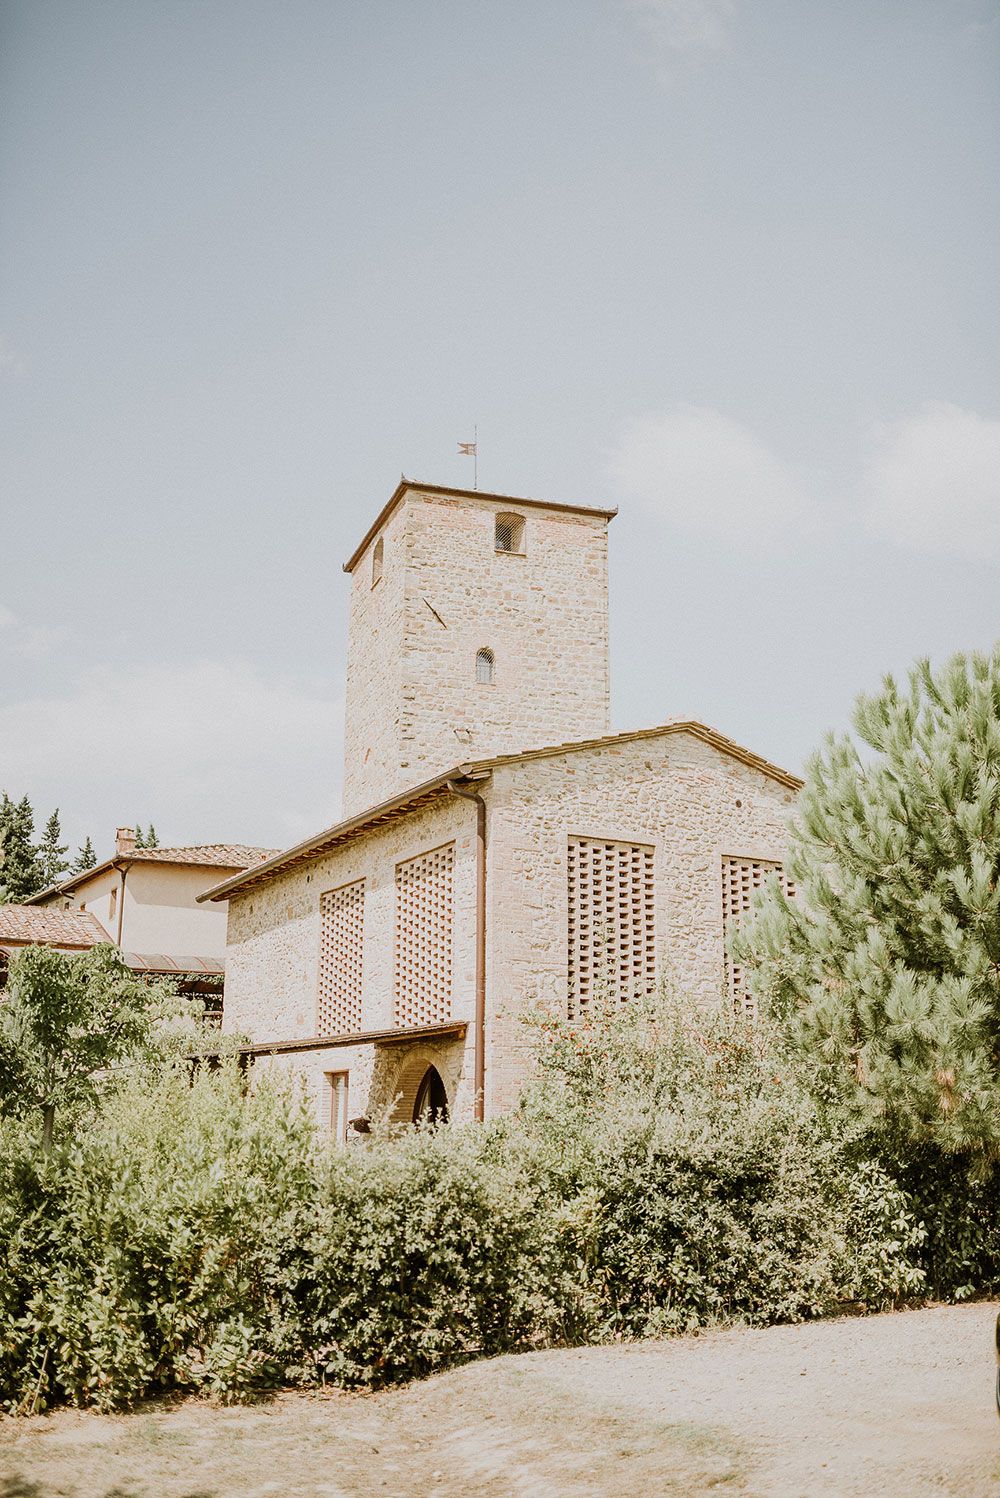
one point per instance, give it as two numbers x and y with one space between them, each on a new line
471 450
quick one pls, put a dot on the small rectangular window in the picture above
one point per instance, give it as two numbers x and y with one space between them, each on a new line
741 877
338 1083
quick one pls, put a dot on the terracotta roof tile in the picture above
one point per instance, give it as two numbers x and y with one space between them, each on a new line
216 855
23 924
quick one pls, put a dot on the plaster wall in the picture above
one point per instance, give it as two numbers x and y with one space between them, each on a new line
161 910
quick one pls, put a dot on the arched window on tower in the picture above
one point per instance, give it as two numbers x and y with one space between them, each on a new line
377 556
509 533
484 667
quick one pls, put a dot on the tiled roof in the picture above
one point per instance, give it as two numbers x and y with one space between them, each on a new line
159 962
23 924
201 855
430 790
217 855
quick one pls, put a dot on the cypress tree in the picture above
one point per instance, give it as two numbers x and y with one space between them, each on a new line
886 966
20 869
86 858
152 841
51 859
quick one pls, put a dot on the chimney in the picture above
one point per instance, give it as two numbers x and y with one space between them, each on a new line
125 840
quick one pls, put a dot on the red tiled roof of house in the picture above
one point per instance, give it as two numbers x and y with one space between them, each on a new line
217 855
24 924
195 855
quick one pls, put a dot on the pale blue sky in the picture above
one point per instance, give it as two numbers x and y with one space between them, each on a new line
730 266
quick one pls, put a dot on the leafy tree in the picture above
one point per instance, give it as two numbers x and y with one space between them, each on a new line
64 1020
887 965
85 859
20 868
51 859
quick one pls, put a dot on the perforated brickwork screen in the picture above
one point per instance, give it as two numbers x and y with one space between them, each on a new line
612 937
740 877
425 899
341 948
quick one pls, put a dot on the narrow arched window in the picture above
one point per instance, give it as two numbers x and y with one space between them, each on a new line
377 556
484 667
509 533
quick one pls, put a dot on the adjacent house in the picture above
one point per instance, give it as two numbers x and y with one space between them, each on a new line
145 901
501 848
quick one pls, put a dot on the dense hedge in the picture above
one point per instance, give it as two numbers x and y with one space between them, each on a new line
656 1177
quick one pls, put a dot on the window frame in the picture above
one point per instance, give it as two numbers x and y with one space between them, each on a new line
517 528
339 1084
486 655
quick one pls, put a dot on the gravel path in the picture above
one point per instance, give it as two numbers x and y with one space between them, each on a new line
879 1406
895 1404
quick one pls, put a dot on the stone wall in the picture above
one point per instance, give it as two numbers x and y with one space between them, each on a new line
272 960
685 799
414 706
688 801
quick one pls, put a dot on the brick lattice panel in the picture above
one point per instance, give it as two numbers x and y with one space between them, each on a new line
741 877
612 936
425 903
341 958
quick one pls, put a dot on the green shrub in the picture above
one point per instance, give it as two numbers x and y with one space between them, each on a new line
660 1174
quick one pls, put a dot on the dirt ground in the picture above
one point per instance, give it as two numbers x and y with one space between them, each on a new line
899 1404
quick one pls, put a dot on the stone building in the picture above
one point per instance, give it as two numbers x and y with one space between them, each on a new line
501 848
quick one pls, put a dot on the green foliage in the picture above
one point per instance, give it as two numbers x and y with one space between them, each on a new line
191 1235
718 1193
51 853
20 869
147 839
887 968
86 858
64 1020
26 866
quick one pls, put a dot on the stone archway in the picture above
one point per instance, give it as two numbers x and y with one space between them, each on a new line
431 1103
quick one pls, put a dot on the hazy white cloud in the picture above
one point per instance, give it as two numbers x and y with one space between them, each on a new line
688 26
9 362
25 641
934 482
710 475
209 751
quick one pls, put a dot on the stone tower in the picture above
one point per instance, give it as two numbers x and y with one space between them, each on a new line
478 626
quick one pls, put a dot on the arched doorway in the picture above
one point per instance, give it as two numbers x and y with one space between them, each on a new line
431 1105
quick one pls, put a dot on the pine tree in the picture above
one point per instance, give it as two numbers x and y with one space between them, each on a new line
51 860
85 859
886 966
20 869
152 841
140 841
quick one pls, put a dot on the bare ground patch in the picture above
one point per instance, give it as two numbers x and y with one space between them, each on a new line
899 1404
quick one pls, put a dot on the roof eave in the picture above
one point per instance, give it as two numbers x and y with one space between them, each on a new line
339 832
513 499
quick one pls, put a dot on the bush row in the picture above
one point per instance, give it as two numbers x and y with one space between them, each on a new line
193 1236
